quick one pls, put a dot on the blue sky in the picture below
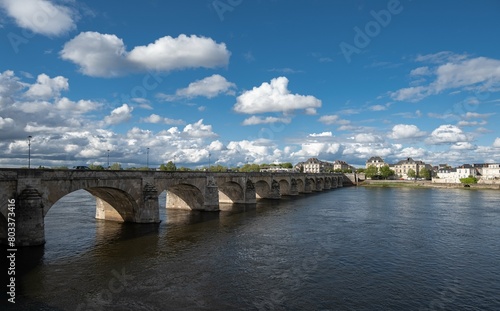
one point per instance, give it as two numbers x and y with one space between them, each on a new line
236 81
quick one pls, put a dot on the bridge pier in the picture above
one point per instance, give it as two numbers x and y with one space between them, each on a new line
250 195
211 202
149 212
308 186
319 185
328 183
293 187
30 228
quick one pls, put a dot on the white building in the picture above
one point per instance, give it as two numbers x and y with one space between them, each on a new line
466 170
341 165
378 162
313 165
489 171
447 175
483 172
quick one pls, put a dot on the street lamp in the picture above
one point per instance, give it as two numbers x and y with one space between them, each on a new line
29 151
209 154
147 159
108 158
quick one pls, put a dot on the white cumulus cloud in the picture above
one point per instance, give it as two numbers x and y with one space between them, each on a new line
119 115
496 143
333 119
447 134
198 130
5 123
40 16
81 106
405 131
105 55
209 87
154 118
274 97
463 146
317 149
367 138
456 73
46 87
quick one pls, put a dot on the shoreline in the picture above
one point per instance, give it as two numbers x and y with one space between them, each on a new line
423 184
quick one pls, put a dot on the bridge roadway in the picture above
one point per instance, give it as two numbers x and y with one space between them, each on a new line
132 196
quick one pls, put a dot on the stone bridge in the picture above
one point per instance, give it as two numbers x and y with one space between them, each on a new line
132 196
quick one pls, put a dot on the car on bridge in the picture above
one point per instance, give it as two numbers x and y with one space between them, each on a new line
81 167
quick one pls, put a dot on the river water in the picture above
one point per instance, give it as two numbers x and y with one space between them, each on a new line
344 249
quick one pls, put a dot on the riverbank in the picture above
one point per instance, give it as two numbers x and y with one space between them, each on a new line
422 184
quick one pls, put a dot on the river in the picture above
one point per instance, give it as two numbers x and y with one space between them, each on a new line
344 249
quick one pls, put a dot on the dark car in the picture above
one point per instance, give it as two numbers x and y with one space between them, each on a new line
81 168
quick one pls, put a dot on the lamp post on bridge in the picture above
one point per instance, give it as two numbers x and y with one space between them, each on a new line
108 160
209 154
29 151
147 155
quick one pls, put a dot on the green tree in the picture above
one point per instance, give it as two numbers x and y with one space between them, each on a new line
469 180
287 165
338 170
425 173
170 166
386 172
371 171
411 173
218 168
250 168
360 170
184 169
115 167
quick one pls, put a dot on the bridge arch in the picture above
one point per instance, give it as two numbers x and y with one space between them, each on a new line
262 189
111 203
184 196
300 185
231 192
285 187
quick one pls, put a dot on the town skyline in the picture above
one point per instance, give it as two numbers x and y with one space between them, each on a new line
194 83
